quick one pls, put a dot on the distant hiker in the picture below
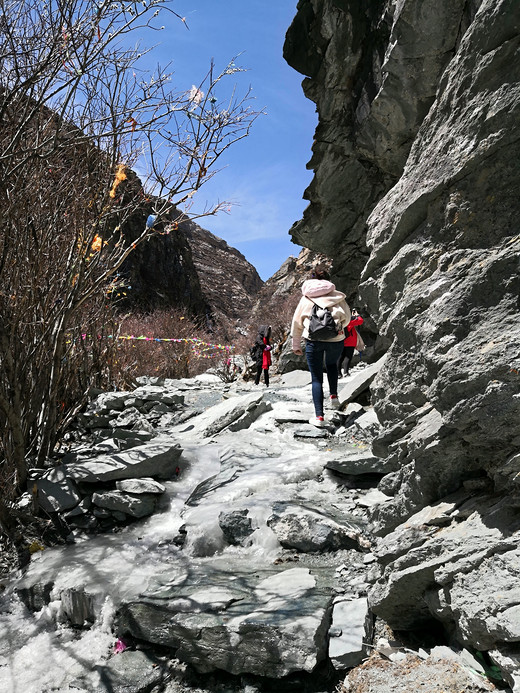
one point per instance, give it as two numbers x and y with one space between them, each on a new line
261 352
320 300
350 343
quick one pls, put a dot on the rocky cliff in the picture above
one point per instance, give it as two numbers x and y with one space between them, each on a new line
186 265
415 196
229 282
276 300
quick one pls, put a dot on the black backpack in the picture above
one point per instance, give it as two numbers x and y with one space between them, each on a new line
254 351
321 324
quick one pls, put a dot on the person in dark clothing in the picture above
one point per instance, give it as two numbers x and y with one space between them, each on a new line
350 342
263 353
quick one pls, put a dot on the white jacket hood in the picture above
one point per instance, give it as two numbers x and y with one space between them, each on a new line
322 292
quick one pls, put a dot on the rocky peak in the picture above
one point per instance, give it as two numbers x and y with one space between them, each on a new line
187 265
228 281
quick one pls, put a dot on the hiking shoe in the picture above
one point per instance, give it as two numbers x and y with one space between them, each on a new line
334 402
318 421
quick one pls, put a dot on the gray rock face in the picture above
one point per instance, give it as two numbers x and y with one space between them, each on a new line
457 561
414 196
445 284
230 284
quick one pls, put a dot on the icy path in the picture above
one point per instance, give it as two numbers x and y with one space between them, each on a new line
36 657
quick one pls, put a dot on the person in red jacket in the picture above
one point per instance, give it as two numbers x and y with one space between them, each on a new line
349 343
263 353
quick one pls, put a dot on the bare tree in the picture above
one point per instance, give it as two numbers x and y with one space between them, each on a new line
76 114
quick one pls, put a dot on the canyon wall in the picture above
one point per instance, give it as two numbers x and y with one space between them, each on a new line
415 196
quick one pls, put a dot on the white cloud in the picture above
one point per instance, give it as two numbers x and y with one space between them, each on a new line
263 207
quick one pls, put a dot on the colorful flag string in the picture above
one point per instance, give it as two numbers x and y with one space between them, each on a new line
200 348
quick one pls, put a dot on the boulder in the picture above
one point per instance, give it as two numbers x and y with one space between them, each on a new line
427 568
289 361
156 459
484 601
130 418
159 394
507 659
56 491
361 463
309 530
127 439
268 623
238 412
131 671
135 505
108 402
359 382
235 525
137 486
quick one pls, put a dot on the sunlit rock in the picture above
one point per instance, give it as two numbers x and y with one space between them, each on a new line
157 460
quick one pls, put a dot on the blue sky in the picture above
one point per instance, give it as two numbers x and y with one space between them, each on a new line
265 174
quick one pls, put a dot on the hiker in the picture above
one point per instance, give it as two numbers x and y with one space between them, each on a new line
349 343
263 353
320 291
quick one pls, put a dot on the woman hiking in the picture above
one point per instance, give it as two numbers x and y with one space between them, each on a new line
319 291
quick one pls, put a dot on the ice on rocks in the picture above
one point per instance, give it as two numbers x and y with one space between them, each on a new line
270 626
136 505
239 410
140 486
348 633
207 574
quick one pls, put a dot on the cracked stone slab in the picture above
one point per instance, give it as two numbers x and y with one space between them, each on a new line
361 463
360 382
265 622
348 633
240 411
156 459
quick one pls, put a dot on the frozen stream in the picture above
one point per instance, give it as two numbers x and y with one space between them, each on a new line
253 470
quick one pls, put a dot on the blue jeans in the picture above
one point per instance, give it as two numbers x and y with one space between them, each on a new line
314 352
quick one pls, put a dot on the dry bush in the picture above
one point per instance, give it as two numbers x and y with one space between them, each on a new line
134 357
74 120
